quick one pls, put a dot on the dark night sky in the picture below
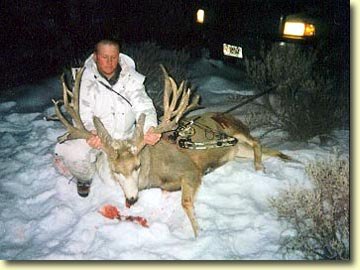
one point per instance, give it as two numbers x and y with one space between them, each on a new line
46 35
49 34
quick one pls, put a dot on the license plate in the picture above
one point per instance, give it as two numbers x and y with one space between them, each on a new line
231 50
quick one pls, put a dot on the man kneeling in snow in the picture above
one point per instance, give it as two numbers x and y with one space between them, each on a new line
114 91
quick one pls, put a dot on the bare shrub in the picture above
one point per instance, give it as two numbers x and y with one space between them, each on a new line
148 56
319 217
256 119
302 102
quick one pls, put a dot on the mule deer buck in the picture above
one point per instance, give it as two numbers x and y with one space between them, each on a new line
166 165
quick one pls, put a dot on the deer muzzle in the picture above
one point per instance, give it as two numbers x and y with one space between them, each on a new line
131 201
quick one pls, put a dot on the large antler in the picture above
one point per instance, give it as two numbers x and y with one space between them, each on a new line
71 103
176 103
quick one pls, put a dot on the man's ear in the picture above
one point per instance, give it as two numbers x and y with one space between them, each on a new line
95 57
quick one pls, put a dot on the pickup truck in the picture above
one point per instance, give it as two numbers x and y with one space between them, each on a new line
234 29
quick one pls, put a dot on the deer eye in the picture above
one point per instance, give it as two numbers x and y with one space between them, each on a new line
133 149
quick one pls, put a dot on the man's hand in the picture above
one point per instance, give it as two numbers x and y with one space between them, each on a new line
94 141
150 137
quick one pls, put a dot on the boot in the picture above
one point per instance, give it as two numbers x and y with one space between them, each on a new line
83 187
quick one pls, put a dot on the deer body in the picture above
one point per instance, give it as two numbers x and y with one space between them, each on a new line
169 167
165 165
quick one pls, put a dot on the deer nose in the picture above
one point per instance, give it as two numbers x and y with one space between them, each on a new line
131 201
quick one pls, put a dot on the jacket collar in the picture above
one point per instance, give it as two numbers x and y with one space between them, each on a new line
113 80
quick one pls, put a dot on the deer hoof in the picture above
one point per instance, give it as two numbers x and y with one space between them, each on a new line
259 167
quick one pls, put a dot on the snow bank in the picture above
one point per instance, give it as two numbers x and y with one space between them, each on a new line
42 217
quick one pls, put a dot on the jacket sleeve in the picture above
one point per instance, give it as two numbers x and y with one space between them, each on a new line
88 90
142 103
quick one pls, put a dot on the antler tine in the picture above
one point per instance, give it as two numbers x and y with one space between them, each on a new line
177 92
73 107
167 92
71 104
176 102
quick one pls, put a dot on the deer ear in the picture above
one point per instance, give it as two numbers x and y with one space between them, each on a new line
140 123
102 132
139 131
138 138
106 140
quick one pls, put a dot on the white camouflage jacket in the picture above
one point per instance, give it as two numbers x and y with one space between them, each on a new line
118 111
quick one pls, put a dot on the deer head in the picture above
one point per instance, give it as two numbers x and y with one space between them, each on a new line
123 157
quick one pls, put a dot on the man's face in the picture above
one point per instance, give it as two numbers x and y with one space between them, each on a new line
107 58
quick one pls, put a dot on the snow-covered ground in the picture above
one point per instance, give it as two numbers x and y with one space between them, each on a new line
42 217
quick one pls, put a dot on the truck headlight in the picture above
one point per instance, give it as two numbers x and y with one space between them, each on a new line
200 16
299 29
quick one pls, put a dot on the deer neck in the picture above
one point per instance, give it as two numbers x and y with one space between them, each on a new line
146 177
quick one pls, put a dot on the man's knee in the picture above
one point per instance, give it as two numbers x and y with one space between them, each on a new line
73 150
78 158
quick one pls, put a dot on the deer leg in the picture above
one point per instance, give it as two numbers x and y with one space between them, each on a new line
257 155
255 144
189 188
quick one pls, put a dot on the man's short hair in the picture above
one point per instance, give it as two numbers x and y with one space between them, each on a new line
107 42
